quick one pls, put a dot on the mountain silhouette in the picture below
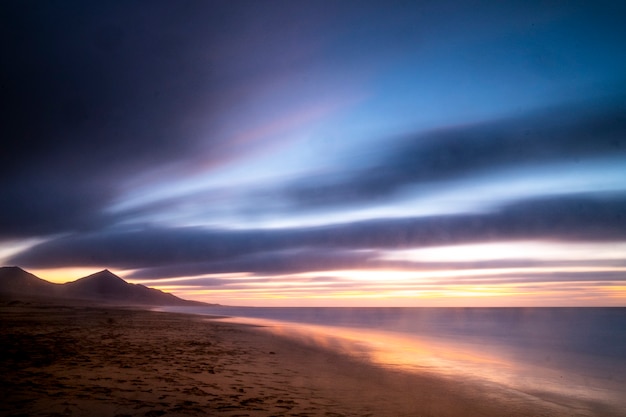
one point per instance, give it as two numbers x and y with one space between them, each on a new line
103 284
14 280
101 287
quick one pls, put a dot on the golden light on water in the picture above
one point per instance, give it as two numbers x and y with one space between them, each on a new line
465 360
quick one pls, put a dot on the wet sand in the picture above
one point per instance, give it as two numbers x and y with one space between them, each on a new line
80 360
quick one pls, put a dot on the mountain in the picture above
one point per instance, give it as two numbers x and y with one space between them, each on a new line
101 287
106 286
15 281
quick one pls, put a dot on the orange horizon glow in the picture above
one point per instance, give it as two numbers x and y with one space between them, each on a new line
69 274
403 292
558 283
377 288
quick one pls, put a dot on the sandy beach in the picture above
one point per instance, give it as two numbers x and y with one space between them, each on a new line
79 360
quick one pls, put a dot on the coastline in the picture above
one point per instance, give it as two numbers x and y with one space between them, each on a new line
105 361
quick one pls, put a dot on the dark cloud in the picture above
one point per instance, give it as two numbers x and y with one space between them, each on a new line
50 203
96 84
197 251
98 93
275 264
286 261
215 282
230 283
571 134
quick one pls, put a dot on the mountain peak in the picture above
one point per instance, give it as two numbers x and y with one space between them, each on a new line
105 274
15 280
103 286
104 282
14 272
12 269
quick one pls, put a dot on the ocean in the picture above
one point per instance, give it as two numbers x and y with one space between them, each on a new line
563 355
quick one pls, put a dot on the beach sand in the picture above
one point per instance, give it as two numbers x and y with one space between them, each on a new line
96 361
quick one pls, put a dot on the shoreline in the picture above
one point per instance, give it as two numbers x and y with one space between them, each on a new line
109 361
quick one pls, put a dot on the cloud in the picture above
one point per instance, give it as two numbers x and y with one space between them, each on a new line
105 94
563 284
287 267
95 95
283 261
556 151
32 206
568 134
102 94
195 251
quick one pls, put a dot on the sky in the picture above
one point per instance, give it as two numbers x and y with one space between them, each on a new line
322 153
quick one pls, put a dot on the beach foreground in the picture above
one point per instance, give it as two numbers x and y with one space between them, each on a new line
78 360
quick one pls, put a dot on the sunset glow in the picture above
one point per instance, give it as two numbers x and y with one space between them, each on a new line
62 275
554 285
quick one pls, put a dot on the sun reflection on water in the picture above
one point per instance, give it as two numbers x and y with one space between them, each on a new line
468 361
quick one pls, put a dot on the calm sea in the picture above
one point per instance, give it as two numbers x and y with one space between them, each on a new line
554 354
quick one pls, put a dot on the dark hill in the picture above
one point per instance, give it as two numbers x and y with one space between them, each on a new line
14 280
101 287
106 286
103 284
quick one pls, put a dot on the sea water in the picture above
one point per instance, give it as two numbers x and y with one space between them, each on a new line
561 355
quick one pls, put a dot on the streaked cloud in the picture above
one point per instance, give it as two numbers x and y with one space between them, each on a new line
269 151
